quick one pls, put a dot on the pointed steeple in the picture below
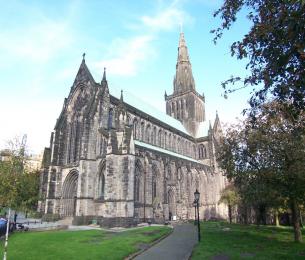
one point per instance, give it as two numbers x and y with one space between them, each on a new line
104 75
104 80
185 104
121 98
183 80
83 74
216 122
121 115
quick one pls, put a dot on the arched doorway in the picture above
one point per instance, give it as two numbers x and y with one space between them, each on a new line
69 192
171 205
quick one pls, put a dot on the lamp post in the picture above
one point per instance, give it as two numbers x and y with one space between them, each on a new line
197 197
195 216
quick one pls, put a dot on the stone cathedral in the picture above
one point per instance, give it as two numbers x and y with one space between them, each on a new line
115 160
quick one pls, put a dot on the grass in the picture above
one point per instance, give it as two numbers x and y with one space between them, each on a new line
91 244
236 241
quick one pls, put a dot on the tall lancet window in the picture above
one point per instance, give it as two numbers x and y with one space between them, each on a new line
135 129
110 118
202 152
159 138
100 188
137 182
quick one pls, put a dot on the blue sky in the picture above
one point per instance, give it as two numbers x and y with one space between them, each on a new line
42 44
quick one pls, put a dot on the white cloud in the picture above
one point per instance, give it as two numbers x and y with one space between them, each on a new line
37 43
166 20
127 56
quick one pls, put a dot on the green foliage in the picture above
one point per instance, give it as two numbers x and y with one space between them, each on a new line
265 158
92 244
247 241
19 187
274 48
229 196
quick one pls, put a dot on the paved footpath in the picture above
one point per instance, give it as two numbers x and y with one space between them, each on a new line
177 246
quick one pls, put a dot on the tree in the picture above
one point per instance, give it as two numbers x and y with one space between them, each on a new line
274 48
19 186
266 160
230 197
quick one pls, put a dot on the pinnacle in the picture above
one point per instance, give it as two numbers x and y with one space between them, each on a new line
104 75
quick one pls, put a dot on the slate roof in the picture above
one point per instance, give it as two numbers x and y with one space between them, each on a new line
139 104
161 150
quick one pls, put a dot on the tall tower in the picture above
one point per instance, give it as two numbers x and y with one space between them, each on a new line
185 104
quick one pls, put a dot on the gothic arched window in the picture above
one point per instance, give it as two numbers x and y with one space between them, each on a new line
173 109
142 131
137 182
135 128
147 134
174 145
154 183
110 118
137 188
202 152
100 190
160 138
154 136
194 151
181 109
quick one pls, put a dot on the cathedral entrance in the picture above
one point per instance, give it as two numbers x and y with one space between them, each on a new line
171 205
69 192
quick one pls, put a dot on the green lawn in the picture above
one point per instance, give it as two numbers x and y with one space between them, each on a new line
247 242
91 244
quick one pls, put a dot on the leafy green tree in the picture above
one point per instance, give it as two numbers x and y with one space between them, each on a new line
230 197
274 48
10 178
266 160
19 186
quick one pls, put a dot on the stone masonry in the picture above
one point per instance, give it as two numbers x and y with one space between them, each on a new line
111 161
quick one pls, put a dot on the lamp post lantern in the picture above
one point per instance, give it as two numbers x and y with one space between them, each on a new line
196 203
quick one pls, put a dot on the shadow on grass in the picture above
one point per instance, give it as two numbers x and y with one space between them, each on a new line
236 241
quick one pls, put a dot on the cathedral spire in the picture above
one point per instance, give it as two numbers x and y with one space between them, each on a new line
104 75
104 80
183 80
121 98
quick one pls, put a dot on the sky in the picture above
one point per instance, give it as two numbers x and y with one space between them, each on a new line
42 42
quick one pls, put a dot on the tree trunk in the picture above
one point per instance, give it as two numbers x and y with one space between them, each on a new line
296 221
257 216
246 215
276 218
263 214
230 213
